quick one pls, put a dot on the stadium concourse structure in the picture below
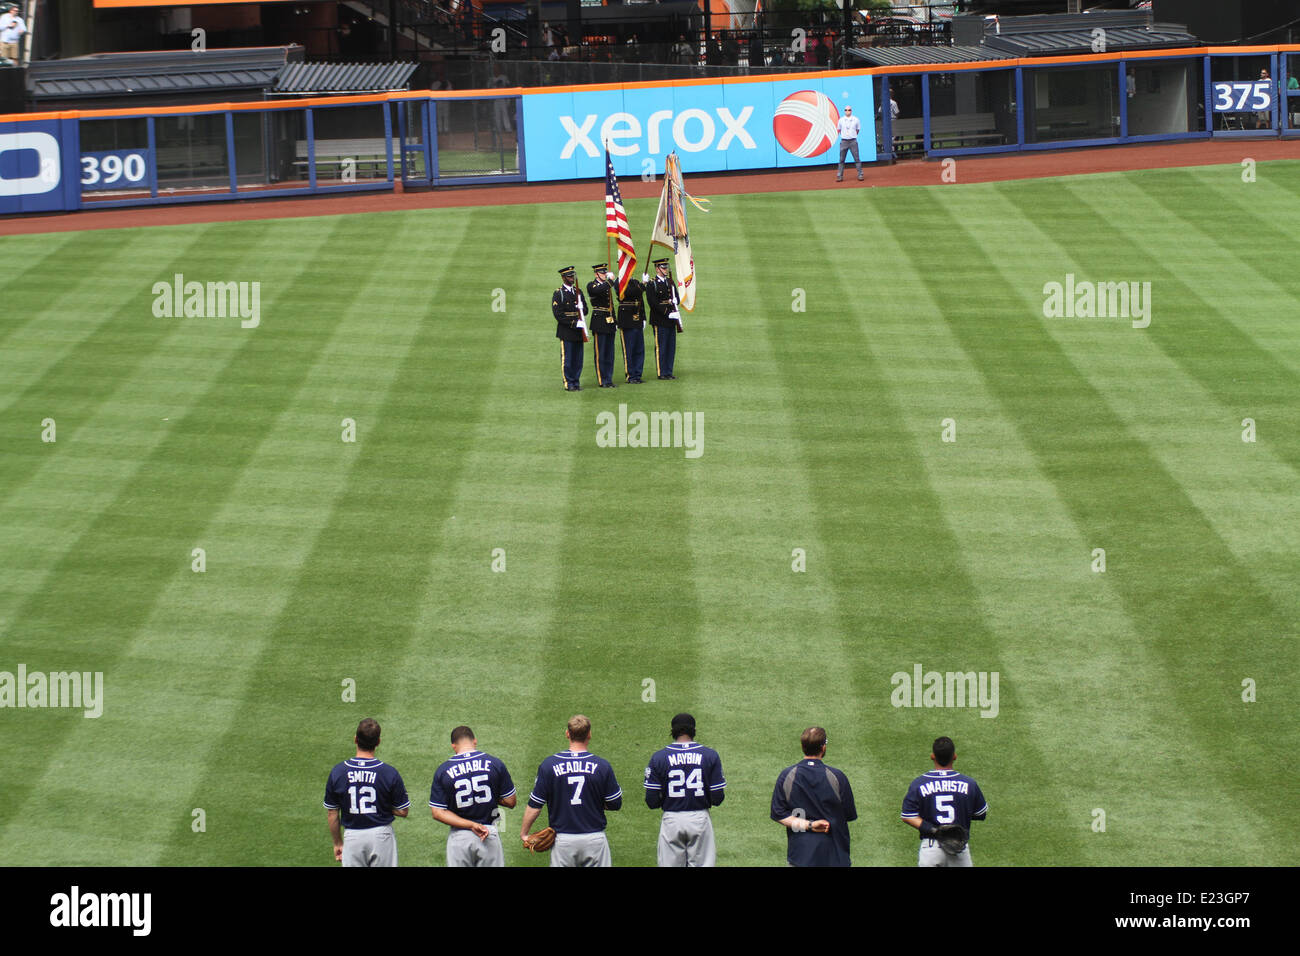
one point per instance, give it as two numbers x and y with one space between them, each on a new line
138 156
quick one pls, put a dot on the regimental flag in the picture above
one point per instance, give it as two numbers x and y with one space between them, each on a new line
616 226
671 232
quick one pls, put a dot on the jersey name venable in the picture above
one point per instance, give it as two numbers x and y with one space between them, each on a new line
574 766
944 786
468 766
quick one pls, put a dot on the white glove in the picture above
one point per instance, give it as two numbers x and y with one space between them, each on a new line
645 277
675 315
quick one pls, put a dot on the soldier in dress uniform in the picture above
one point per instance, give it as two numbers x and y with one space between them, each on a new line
631 329
661 297
600 291
569 307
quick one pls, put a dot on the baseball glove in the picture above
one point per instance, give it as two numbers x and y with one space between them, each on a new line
542 840
952 837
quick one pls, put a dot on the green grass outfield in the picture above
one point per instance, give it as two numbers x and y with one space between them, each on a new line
326 561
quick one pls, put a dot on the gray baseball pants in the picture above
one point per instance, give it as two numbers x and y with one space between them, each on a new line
581 849
686 839
932 854
465 849
376 846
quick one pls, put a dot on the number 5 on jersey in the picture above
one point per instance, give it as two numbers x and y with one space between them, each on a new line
943 808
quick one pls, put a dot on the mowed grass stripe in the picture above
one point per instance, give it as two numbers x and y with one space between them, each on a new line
1183 589
119 342
353 600
1253 284
481 615
817 663
764 628
111 578
80 288
26 290
906 595
107 427
207 627
1217 352
1030 562
1243 490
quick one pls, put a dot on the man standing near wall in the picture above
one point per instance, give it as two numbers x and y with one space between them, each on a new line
849 127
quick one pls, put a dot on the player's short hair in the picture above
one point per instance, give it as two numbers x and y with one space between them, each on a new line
813 740
944 750
368 734
461 733
579 728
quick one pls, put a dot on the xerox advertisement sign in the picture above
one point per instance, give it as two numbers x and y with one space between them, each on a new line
732 124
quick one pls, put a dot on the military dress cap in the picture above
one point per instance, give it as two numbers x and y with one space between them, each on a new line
569 270
601 266
661 262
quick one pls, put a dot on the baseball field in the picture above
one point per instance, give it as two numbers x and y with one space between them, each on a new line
1070 510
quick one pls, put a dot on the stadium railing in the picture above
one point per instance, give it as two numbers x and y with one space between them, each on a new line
221 151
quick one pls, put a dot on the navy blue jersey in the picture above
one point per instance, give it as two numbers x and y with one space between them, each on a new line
578 788
471 785
684 776
945 796
815 790
365 791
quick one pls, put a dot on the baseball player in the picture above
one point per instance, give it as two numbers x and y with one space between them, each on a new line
943 796
577 787
814 802
365 794
474 784
685 779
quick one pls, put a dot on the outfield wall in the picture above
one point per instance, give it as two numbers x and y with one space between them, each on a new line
217 152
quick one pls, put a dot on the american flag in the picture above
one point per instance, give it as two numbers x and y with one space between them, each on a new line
616 226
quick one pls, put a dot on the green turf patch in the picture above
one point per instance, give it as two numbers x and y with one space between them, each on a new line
907 459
